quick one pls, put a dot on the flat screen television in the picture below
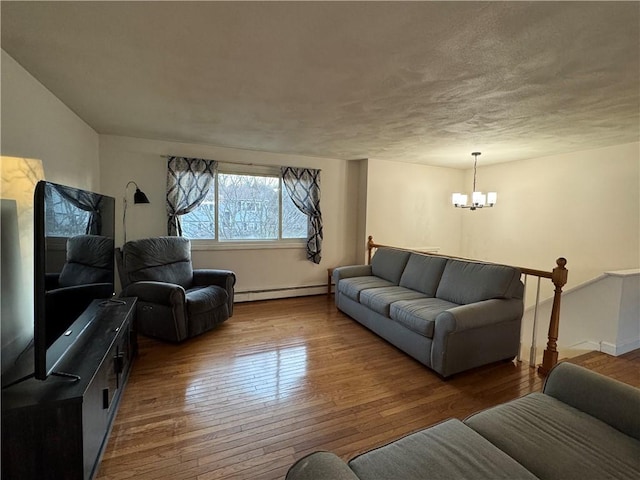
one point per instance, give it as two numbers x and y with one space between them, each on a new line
74 233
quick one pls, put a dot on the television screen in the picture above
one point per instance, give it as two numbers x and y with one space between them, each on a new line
74 265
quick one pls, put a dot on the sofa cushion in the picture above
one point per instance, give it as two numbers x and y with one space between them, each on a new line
447 450
379 299
469 282
423 273
352 286
553 440
419 316
389 263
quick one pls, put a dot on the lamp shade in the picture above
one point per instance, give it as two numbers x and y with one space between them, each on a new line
140 197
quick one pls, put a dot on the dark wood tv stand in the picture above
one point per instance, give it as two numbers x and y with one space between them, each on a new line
58 428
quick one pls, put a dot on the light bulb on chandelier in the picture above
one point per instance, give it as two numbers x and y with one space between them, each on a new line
478 199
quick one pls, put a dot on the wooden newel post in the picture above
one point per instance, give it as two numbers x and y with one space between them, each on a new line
370 245
559 279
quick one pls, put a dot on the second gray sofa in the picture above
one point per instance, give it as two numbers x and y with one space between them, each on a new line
449 314
583 426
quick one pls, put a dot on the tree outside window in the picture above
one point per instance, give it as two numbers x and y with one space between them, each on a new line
62 218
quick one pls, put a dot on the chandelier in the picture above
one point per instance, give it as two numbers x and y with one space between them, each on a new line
478 199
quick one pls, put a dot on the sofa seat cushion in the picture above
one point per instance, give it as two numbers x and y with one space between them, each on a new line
553 440
380 299
419 315
203 299
447 450
352 286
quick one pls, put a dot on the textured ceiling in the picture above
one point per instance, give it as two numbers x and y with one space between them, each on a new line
424 82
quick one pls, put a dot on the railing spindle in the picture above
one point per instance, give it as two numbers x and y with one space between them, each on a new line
534 333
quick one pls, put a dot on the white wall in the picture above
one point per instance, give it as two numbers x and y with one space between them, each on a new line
629 318
584 206
36 124
123 159
409 205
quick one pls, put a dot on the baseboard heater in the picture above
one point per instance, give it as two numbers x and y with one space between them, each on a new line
282 292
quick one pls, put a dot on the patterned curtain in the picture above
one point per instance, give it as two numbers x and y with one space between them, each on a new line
188 181
87 201
303 186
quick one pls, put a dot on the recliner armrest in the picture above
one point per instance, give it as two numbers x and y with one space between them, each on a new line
51 281
162 293
221 278
209 276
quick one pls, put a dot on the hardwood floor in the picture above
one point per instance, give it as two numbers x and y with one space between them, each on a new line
284 378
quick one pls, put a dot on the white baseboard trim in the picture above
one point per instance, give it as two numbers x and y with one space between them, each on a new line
586 345
272 294
617 349
606 347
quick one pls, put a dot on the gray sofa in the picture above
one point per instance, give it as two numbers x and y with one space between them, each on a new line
449 314
583 426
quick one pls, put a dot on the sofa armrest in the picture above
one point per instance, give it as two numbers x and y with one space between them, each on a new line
320 466
606 399
351 271
479 314
162 293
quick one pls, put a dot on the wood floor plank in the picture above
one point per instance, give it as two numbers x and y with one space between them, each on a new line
284 378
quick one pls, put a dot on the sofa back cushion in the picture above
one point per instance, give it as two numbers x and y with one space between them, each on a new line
423 273
469 282
389 263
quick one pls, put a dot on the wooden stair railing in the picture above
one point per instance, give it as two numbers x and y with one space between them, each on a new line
558 277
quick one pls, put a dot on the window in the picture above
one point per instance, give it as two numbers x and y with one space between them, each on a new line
245 207
62 218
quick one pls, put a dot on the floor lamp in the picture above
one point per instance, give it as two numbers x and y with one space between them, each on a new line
138 197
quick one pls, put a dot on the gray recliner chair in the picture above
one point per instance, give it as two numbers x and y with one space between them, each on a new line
175 302
86 275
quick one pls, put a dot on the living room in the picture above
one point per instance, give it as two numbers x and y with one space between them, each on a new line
579 199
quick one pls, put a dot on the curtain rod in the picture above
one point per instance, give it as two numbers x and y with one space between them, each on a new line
236 163
220 161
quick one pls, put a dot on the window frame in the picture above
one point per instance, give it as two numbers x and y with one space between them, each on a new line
254 244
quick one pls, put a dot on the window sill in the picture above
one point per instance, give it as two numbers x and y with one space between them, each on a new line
201 245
